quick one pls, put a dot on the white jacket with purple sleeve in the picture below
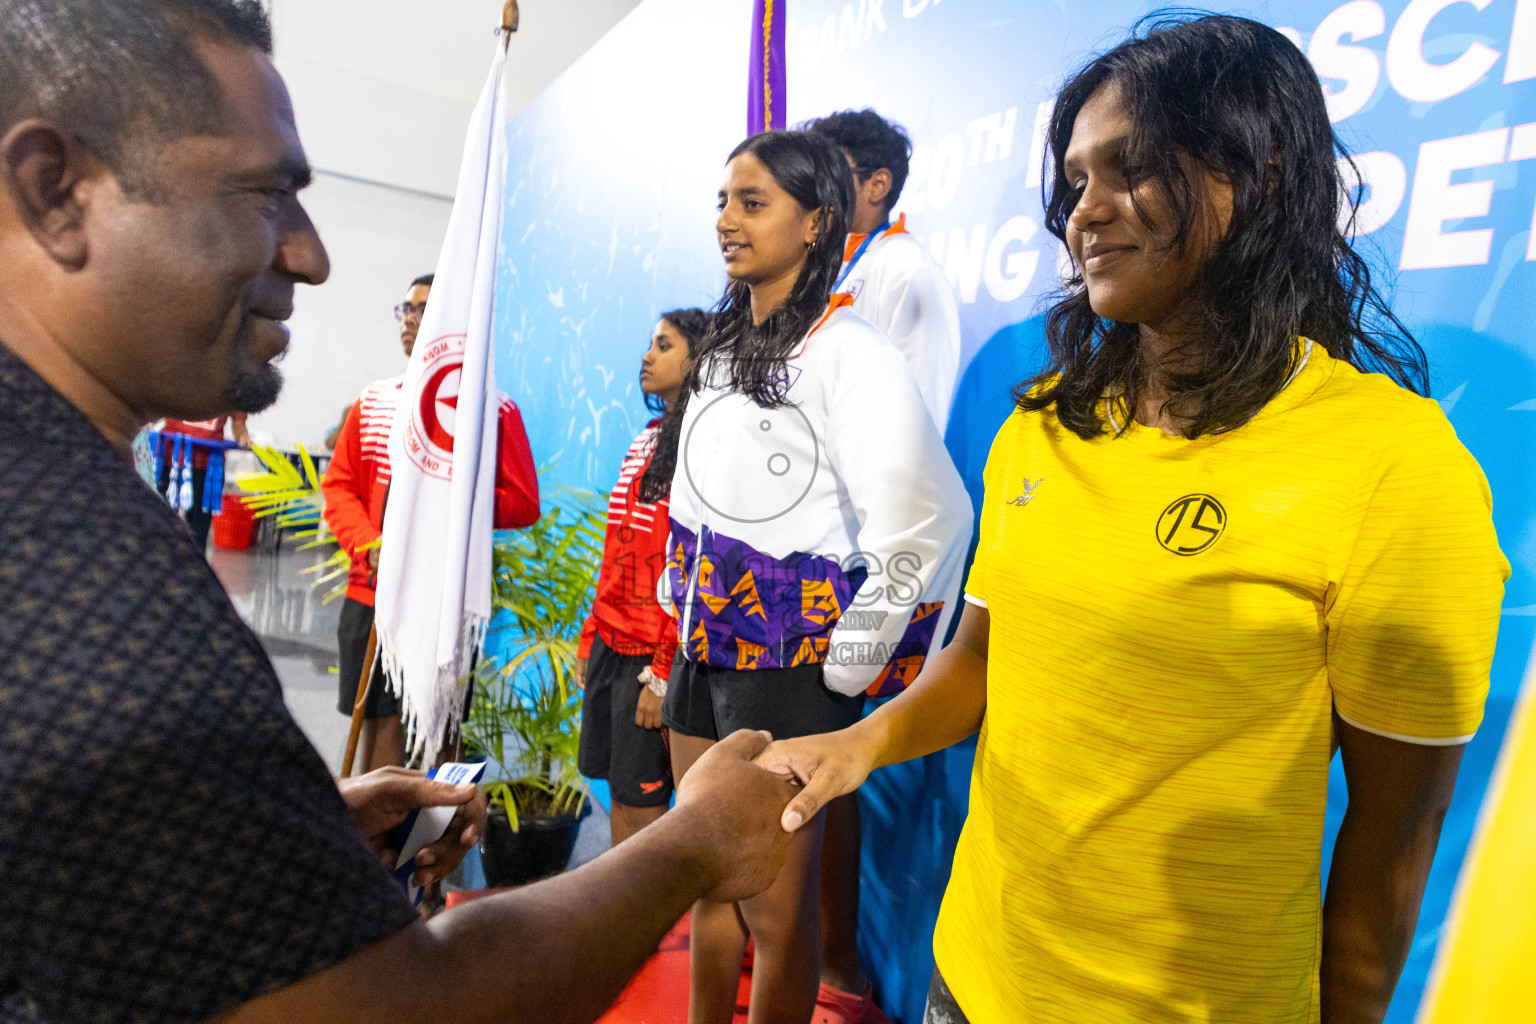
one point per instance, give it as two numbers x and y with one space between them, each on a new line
831 530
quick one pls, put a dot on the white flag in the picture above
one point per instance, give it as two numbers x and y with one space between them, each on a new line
434 583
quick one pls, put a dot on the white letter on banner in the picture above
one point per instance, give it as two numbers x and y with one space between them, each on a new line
1038 144
1386 181
912 8
1356 65
1521 63
963 261
1417 79
978 130
1000 145
1435 201
944 171
992 136
828 45
915 192
874 16
851 30
1009 276
1522 146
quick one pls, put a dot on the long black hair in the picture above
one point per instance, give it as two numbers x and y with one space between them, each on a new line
1243 102
752 356
656 484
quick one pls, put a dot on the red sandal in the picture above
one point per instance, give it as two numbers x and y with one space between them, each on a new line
834 1006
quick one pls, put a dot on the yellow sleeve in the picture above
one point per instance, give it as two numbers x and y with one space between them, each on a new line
1414 611
997 462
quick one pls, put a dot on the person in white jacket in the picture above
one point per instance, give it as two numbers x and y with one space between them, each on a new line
895 283
897 286
818 533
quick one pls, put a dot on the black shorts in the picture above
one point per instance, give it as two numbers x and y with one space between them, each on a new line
633 760
352 638
711 703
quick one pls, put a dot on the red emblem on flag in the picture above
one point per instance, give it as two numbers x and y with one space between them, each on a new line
430 430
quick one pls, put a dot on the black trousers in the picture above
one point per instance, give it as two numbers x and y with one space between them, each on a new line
352 648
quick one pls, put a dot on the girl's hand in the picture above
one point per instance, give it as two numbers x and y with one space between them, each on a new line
648 711
829 765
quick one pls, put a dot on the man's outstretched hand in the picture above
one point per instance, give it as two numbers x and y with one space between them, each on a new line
381 800
735 807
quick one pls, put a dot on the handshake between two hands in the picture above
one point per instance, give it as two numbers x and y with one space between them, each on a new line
742 799
752 793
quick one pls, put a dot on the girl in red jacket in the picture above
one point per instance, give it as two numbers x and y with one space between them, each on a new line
627 644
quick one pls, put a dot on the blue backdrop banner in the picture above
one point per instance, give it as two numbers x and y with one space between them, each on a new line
612 179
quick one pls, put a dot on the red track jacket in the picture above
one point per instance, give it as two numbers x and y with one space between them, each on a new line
625 611
357 479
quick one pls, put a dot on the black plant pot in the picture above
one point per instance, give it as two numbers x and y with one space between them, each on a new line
541 847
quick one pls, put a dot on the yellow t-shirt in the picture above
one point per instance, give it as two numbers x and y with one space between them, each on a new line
1173 622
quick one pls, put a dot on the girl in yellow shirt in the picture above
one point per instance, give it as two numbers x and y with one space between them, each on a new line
1224 533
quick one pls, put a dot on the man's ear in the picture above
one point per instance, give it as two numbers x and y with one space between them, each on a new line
879 186
42 170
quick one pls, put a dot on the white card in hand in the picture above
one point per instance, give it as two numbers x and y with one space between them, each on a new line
432 822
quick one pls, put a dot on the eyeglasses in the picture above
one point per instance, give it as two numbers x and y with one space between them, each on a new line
405 309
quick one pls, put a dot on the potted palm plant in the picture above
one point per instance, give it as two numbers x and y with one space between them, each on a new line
525 716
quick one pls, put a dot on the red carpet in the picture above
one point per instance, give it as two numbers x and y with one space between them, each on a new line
659 993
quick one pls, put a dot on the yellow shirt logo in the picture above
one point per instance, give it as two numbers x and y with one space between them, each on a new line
1191 524
1029 492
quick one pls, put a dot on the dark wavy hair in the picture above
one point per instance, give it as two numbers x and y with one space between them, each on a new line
1243 102
656 484
754 357
873 142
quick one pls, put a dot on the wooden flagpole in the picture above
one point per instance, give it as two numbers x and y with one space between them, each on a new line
364 687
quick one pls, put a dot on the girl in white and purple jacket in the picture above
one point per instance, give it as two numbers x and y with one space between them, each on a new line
818 532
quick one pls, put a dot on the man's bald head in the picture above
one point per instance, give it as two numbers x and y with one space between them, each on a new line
123 76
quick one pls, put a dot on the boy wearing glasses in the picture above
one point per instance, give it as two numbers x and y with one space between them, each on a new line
356 486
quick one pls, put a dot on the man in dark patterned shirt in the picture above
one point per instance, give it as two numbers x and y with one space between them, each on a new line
172 848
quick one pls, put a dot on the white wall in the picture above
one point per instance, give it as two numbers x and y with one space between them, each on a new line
344 333
383 91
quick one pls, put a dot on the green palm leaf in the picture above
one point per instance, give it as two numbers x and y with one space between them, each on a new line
526 715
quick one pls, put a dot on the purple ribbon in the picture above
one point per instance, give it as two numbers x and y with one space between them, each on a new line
766 93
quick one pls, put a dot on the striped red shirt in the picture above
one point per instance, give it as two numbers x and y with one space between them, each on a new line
357 480
625 612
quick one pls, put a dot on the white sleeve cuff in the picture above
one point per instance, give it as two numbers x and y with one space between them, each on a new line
978 602
1422 741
